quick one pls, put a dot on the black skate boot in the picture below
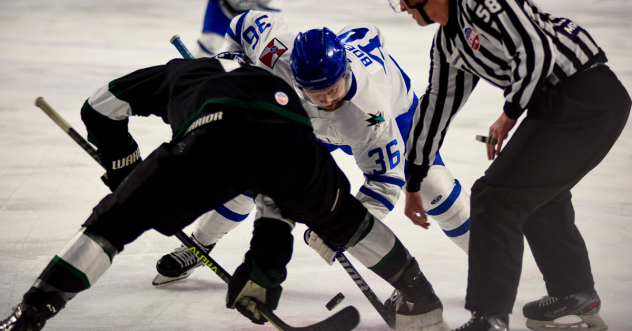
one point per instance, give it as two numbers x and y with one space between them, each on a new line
391 303
417 306
178 264
24 318
541 314
36 308
486 322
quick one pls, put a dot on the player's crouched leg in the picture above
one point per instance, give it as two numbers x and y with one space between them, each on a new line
84 259
417 306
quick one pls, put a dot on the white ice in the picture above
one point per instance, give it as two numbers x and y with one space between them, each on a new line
63 50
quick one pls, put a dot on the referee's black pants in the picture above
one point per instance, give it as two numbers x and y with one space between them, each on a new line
526 191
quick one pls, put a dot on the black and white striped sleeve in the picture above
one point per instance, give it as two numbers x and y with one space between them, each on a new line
531 51
448 90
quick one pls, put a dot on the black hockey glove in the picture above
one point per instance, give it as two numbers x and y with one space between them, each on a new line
119 164
242 289
263 270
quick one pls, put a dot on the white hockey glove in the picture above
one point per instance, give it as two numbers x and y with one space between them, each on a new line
322 248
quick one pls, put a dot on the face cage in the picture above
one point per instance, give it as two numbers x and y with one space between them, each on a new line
301 93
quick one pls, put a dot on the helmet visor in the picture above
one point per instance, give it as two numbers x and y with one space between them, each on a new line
328 96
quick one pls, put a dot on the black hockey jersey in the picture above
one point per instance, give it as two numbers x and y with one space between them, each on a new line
181 91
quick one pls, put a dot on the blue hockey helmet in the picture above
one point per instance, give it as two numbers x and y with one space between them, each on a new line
318 59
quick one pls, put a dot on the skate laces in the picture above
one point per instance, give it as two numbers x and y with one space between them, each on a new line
547 300
184 256
466 325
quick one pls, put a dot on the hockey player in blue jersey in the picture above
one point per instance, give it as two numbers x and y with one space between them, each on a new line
217 19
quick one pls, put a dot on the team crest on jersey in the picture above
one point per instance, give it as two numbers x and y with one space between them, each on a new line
472 38
272 53
376 120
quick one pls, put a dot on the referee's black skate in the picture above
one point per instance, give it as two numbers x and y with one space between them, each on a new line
486 322
417 307
24 318
178 264
541 314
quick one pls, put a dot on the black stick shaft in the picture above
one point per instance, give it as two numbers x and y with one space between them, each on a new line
386 314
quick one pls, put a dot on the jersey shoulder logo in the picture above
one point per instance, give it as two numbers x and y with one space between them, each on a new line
472 38
272 53
375 120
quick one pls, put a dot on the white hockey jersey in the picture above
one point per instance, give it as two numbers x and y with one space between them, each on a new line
365 122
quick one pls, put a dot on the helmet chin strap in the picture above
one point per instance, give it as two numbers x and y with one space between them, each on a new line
420 9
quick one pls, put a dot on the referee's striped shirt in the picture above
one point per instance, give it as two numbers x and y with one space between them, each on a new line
511 44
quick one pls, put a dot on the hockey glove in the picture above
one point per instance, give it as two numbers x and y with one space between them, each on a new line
119 164
242 289
325 250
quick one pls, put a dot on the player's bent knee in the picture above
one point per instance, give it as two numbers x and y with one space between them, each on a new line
379 249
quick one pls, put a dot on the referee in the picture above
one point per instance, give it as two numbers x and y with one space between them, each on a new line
575 108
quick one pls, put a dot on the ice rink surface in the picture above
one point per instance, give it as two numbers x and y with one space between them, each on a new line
64 50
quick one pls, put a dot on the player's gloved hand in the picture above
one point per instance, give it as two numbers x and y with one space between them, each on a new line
119 164
240 57
241 291
327 252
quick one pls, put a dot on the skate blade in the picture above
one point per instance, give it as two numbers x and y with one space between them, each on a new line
161 280
432 321
592 322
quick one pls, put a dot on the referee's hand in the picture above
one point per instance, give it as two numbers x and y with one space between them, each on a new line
415 209
499 131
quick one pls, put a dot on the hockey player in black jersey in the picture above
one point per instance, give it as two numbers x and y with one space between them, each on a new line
576 108
233 132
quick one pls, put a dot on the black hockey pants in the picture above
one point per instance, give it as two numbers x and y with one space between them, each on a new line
211 165
526 191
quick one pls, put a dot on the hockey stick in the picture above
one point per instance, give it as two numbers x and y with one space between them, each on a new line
344 320
39 102
386 314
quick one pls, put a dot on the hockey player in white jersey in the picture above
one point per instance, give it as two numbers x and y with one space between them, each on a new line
217 18
359 100
371 122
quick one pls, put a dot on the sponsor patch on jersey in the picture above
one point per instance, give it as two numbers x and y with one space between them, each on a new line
272 53
375 120
436 200
472 38
281 98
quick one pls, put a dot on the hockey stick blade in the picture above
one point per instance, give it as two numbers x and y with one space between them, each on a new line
386 314
344 320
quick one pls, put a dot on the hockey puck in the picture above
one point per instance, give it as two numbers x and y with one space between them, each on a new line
335 301
489 141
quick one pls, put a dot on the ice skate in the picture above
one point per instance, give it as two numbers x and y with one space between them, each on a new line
541 314
391 303
486 322
24 318
417 307
178 264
